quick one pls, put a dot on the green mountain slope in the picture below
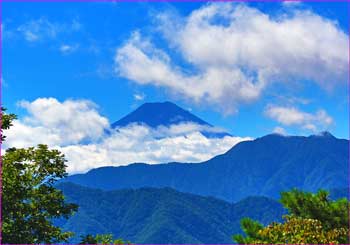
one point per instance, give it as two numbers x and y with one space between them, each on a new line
151 215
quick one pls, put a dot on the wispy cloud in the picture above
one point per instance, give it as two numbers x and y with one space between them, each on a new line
279 130
68 49
42 29
36 30
139 97
291 3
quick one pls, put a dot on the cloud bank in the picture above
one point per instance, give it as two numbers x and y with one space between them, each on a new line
233 53
77 129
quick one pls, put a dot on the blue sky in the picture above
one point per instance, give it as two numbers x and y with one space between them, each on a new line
33 69
253 68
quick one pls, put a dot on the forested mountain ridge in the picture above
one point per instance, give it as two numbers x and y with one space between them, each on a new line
150 215
265 166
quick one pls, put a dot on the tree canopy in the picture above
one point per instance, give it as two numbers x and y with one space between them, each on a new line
102 239
313 219
29 199
6 122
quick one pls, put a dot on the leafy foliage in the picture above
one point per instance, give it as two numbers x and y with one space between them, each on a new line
251 228
332 214
298 230
313 219
6 122
29 199
101 239
88 239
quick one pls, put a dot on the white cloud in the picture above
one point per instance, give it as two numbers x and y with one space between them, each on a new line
291 116
236 51
68 49
139 97
40 29
138 143
279 130
291 3
77 129
56 123
35 30
140 61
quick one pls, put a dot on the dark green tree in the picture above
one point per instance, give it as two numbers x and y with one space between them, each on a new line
251 229
102 239
319 206
6 122
88 239
313 218
29 199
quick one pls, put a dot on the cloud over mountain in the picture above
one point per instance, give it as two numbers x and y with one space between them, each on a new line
76 128
292 116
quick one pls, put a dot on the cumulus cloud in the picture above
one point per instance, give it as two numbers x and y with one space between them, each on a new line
77 129
57 123
235 52
139 143
291 116
143 63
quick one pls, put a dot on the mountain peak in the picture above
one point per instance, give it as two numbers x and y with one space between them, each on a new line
154 114
159 104
324 134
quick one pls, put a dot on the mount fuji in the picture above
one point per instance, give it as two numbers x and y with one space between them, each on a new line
167 114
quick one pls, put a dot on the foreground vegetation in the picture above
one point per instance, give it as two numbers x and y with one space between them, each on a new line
312 219
102 239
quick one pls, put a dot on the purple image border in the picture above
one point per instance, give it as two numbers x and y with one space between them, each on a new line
177 1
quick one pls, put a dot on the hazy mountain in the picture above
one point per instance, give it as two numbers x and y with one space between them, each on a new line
264 166
158 216
166 114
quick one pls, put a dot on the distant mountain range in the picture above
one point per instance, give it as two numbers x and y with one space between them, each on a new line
201 202
161 216
167 114
265 166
